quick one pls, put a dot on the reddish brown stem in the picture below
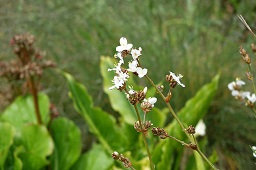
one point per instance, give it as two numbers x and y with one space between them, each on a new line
34 92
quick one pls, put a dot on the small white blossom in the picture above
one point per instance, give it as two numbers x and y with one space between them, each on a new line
119 55
136 53
177 78
123 45
133 66
240 94
141 72
120 78
235 85
254 151
145 90
251 98
151 100
200 128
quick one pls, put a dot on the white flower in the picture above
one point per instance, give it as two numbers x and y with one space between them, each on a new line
123 45
254 151
151 100
251 98
236 85
136 53
133 66
145 90
240 94
177 78
120 78
200 128
141 72
119 55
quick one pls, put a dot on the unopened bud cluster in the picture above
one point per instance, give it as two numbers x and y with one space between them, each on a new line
145 126
159 132
136 97
191 130
126 162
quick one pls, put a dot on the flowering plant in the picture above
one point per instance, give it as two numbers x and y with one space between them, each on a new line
123 82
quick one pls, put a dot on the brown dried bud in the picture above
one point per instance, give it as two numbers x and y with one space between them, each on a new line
249 104
193 146
253 47
141 95
160 88
168 97
146 106
191 130
242 51
249 75
126 162
144 128
159 132
115 155
247 59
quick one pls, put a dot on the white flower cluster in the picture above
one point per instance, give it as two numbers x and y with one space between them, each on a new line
122 76
236 91
254 151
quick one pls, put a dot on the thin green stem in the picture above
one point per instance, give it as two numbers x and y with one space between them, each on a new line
144 139
132 168
180 141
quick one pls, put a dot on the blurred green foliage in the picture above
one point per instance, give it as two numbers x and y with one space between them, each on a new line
195 38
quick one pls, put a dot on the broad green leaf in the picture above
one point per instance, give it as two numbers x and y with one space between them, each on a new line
199 161
192 112
7 132
12 161
101 124
117 99
67 140
95 159
21 111
38 145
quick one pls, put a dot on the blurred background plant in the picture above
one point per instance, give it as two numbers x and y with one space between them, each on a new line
196 38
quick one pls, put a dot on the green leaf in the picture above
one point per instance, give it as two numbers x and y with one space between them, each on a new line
21 111
117 99
95 159
13 162
101 124
7 132
67 140
37 146
192 112
199 161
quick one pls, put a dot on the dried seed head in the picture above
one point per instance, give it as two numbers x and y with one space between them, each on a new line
249 104
160 88
168 97
253 46
242 51
159 132
126 162
141 96
193 146
249 75
245 55
145 126
191 130
115 155
146 106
